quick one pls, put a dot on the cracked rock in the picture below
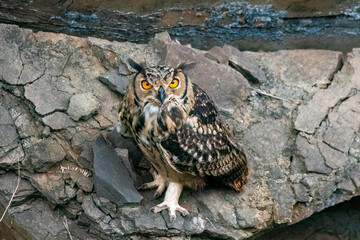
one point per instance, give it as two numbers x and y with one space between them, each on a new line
344 124
52 186
8 132
314 161
58 120
239 61
42 155
333 158
83 106
45 96
8 185
115 81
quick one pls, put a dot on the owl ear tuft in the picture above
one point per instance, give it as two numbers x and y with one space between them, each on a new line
138 67
186 65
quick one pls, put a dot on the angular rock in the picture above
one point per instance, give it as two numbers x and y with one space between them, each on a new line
52 186
301 193
355 147
248 67
12 157
315 111
39 221
284 199
45 96
126 143
347 186
8 132
24 122
307 69
58 120
333 158
91 210
8 185
344 124
83 106
250 217
112 180
41 156
115 81
314 161
221 211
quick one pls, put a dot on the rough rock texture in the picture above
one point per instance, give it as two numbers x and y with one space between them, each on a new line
299 127
248 24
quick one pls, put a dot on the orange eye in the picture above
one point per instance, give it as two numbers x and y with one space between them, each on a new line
174 83
146 85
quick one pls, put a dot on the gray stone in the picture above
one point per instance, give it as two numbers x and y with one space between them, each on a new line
146 221
58 120
355 147
12 157
344 124
308 69
260 134
45 96
115 81
311 114
220 210
248 67
246 217
41 156
112 180
314 161
8 185
284 200
333 158
83 106
25 123
355 175
301 193
39 221
8 132
52 186
347 186
91 210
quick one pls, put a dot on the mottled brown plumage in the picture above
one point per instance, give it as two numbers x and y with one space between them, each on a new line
177 127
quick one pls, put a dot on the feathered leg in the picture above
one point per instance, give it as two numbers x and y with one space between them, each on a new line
158 182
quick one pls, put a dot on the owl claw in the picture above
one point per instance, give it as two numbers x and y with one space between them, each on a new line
171 202
158 182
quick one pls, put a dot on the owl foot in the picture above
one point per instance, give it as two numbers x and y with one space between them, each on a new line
171 202
158 182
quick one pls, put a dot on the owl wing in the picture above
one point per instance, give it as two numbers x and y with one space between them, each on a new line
203 147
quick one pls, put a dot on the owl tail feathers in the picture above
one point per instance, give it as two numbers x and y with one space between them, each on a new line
238 183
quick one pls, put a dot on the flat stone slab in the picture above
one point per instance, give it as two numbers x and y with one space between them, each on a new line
112 179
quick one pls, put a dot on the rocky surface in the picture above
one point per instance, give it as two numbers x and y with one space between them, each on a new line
249 24
299 126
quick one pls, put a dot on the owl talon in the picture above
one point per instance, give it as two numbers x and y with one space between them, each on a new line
172 219
171 202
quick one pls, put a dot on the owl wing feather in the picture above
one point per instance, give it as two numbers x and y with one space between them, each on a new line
203 147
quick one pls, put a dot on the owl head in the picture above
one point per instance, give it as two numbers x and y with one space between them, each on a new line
160 85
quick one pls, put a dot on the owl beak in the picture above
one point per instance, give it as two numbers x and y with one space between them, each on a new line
161 94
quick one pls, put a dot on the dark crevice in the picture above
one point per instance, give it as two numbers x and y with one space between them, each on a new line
246 73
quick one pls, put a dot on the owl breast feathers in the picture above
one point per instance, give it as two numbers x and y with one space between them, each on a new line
177 126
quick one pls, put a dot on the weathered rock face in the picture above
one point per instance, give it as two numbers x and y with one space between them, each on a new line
248 24
295 112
